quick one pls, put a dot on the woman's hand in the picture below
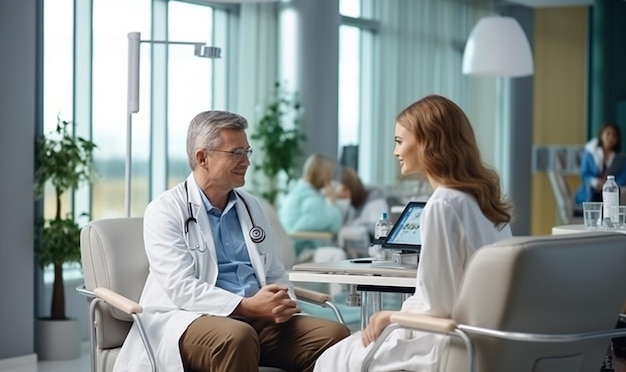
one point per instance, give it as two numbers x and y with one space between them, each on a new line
378 322
330 191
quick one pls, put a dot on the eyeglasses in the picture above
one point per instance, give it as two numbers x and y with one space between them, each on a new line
238 153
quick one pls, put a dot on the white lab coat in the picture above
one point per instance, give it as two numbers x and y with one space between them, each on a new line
181 284
452 229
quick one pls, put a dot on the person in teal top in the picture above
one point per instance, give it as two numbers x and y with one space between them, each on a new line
310 205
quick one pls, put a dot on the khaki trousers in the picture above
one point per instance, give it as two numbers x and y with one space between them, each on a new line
235 344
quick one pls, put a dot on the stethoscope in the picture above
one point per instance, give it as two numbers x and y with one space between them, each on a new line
257 234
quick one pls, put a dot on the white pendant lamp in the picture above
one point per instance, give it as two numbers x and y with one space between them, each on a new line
497 46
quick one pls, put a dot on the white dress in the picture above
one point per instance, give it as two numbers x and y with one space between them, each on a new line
452 228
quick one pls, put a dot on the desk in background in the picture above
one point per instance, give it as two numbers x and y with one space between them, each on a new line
367 279
579 228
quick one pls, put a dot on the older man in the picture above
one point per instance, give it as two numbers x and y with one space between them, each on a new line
217 297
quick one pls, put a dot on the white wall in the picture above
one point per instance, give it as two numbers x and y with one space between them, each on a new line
18 117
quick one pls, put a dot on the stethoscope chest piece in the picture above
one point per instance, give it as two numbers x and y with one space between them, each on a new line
257 234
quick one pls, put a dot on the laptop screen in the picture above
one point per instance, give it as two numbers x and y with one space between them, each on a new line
405 234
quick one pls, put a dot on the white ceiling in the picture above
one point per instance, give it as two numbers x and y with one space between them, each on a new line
551 3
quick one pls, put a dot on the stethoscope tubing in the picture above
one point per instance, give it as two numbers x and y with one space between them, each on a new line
256 233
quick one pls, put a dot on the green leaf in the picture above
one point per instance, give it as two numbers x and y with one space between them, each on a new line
279 136
66 162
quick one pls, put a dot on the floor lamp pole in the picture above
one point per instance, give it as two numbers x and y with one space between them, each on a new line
134 40
128 163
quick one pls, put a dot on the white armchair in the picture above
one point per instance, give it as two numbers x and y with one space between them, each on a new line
532 304
115 268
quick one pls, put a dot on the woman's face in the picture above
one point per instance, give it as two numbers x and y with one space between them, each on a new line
609 138
406 150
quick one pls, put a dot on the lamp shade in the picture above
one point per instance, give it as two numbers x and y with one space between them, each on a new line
497 46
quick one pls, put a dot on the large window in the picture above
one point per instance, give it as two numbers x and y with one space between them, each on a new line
349 85
109 92
189 82
58 92
356 47
58 87
86 82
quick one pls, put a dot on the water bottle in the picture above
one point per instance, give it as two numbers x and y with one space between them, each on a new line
382 228
610 202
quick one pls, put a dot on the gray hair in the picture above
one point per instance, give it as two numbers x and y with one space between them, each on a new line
204 131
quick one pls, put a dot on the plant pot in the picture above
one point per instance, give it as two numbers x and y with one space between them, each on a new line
57 339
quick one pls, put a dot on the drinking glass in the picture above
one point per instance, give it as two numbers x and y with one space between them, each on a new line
592 215
621 224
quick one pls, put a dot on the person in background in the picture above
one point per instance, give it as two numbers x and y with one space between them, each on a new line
599 154
217 297
465 212
311 206
366 203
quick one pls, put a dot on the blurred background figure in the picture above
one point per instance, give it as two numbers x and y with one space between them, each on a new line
366 203
602 157
311 207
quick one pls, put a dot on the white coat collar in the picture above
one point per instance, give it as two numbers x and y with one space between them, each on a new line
245 221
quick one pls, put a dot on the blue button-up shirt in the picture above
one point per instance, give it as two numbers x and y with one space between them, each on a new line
235 271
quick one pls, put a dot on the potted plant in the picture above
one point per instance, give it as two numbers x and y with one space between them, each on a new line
65 162
279 137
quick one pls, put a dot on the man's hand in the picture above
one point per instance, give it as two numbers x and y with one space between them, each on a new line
270 302
378 322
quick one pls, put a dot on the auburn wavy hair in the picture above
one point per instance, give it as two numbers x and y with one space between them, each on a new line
449 154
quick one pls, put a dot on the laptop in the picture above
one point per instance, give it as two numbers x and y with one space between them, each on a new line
405 237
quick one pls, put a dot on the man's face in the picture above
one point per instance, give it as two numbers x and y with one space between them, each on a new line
226 169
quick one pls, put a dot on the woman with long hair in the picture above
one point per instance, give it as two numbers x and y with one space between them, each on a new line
465 212
600 159
366 204
311 206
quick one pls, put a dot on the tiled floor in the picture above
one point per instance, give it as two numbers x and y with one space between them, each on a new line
82 365
76 365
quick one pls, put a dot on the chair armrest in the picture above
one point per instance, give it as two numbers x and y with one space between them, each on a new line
312 235
319 299
415 321
423 322
311 296
117 300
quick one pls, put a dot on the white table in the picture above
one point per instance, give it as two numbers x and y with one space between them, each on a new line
372 280
579 228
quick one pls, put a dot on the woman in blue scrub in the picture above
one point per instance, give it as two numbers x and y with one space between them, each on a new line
597 162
